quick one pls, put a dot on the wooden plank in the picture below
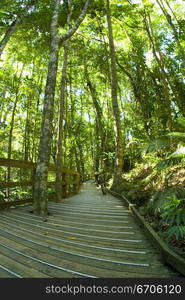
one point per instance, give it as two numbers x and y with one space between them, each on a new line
5 274
15 184
64 261
20 269
169 256
23 183
15 203
7 204
30 183
155 269
74 246
79 246
17 163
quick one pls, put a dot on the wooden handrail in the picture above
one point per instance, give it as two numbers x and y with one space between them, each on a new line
70 179
13 163
15 184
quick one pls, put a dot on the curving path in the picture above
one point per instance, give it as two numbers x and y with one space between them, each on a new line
87 235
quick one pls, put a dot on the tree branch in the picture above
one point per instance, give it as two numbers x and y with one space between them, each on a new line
73 29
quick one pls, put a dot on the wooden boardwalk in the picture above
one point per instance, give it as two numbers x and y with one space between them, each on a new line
88 235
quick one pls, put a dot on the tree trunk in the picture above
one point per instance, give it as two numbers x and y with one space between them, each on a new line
40 186
80 153
8 34
2 104
117 180
97 160
60 131
77 160
73 29
99 118
12 127
36 119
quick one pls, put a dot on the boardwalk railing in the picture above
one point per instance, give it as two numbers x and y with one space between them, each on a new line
70 180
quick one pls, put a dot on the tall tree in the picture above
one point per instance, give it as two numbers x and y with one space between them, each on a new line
115 106
99 121
40 187
172 25
60 127
17 90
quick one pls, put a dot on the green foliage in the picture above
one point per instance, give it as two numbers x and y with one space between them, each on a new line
174 211
151 93
181 123
173 216
167 142
176 231
171 161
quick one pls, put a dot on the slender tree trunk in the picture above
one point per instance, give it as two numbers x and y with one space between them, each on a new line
36 120
160 60
172 12
12 28
97 164
80 148
91 139
40 186
117 180
73 29
60 131
171 24
99 117
3 94
77 160
28 122
8 34
27 138
12 126
72 117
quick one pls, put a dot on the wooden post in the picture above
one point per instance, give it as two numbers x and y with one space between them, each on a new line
78 182
33 179
75 185
64 185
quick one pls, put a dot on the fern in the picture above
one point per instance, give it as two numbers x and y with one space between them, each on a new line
177 135
181 122
158 144
174 217
167 142
177 232
171 161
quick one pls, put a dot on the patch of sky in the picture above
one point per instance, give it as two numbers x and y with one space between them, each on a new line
136 1
128 136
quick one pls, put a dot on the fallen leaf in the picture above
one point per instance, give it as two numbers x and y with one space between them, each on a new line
71 237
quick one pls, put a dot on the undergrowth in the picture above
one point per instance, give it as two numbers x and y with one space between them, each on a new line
156 185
